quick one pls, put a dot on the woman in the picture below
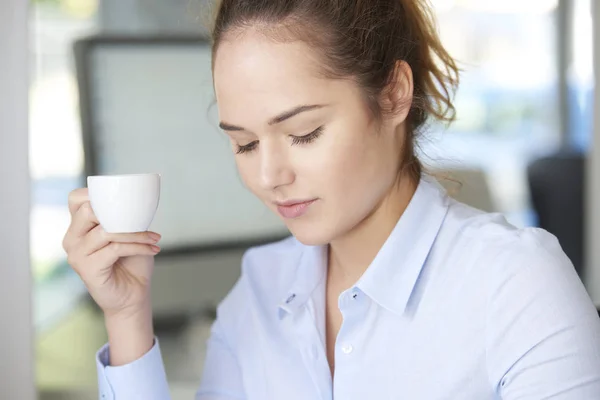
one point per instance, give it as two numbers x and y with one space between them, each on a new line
388 289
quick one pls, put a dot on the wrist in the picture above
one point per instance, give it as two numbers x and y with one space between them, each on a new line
130 334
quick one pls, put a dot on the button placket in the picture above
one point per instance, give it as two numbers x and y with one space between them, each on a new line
306 336
351 305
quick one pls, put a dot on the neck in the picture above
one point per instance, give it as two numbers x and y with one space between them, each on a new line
351 254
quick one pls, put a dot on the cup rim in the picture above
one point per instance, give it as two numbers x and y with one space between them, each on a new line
149 174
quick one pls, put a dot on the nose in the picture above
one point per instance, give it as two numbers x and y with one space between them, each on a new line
275 166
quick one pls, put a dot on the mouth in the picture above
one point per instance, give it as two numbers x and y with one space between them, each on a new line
294 208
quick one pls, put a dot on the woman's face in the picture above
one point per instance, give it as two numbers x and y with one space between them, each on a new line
306 146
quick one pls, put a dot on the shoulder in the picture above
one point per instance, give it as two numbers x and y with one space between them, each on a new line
539 319
520 268
509 263
492 238
536 311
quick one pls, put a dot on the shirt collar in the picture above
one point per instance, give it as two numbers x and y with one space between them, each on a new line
310 271
393 274
391 277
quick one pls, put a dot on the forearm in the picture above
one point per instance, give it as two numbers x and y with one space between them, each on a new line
130 335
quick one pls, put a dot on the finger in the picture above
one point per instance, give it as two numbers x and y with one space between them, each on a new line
84 220
110 254
77 197
98 238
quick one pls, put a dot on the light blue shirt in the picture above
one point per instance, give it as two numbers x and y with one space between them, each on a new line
457 304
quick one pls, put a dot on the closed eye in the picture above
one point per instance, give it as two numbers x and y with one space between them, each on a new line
311 137
308 138
247 147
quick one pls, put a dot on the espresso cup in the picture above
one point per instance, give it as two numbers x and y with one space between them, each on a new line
124 203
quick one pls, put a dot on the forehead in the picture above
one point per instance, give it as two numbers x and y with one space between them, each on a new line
255 73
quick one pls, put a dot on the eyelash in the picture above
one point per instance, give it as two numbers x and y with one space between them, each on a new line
311 137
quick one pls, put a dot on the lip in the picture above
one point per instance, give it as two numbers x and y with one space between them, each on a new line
294 208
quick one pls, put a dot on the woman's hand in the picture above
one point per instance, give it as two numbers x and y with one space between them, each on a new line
115 267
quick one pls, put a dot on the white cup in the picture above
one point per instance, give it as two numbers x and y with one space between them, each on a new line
124 203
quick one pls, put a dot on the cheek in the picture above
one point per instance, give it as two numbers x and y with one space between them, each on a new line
248 170
346 165
356 174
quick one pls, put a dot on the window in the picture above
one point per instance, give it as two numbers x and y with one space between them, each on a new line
508 100
580 76
56 157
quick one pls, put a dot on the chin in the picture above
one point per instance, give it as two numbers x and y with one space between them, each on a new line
311 234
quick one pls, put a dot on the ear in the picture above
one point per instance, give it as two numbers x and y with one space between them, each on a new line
398 95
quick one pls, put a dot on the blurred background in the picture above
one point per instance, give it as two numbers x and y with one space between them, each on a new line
124 86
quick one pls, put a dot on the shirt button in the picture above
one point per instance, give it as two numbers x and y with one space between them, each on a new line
347 349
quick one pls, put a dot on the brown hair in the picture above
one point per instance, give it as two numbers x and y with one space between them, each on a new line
362 40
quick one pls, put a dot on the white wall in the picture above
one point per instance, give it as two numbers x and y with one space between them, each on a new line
593 178
16 333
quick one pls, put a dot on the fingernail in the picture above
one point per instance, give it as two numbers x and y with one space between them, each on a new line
154 236
155 249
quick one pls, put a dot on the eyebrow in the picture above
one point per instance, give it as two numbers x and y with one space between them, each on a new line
278 119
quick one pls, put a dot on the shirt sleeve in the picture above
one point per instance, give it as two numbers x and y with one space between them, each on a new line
143 379
543 334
